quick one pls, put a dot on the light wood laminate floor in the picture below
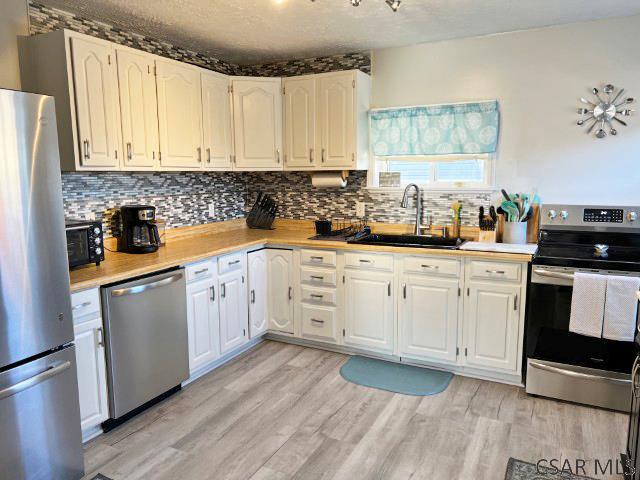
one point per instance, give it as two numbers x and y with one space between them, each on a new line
282 411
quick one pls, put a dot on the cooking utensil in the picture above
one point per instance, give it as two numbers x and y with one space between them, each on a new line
505 195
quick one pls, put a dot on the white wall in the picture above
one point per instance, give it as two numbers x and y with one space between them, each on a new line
13 22
537 77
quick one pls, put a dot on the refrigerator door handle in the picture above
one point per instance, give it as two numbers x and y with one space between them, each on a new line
52 371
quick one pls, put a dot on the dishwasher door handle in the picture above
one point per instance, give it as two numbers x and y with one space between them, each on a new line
147 286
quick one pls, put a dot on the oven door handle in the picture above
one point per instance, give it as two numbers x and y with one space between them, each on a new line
551 274
586 376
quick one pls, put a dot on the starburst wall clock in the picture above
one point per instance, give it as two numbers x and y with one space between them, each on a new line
605 110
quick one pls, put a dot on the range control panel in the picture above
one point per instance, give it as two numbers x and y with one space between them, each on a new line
590 217
599 215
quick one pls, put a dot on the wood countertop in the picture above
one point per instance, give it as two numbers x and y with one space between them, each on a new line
191 244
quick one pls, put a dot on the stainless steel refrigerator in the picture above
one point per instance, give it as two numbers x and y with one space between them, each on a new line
40 435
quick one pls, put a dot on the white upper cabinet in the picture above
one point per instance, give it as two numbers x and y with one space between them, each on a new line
217 139
492 315
369 310
280 290
138 109
299 122
96 87
257 115
257 272
429 318
179 115
336 125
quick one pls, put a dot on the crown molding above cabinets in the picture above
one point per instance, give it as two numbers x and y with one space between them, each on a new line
122 109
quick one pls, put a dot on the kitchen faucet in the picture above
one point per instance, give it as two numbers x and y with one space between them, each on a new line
405 202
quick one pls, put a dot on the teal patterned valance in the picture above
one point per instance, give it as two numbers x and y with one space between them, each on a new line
435 130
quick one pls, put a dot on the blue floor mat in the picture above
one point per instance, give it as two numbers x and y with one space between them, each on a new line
395 377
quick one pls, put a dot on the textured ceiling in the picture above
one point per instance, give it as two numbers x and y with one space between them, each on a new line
259 31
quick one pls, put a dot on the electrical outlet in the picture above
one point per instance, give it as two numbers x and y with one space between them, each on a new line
212 210
360 209
91 216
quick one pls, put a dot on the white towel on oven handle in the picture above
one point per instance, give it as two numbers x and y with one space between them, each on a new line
587 304
621 308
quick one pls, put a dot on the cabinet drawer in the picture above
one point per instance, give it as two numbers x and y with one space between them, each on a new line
318 295
496 270
85 303
432 266
200 270
318 276
318 257
319 321
232 262
368 260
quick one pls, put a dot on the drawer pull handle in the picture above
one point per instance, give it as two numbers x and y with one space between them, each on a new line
315 320
496 272
315 295
290 293
362 260
235 262
316 277
320 259
200 272
82 305
430 267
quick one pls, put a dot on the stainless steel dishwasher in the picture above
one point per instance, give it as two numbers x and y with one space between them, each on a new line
145 324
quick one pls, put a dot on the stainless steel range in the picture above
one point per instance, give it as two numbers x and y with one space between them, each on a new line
562 364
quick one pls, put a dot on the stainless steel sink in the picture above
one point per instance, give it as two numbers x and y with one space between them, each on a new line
420 241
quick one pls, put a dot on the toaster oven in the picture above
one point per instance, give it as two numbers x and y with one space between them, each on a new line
84 242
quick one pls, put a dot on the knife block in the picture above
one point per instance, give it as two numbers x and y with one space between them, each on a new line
487 236
260 217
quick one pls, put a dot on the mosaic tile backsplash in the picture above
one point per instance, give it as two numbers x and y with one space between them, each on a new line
184 198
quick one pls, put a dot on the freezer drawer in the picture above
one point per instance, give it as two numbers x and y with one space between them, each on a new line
40 436
146 338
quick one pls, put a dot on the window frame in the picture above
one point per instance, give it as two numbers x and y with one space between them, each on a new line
487 184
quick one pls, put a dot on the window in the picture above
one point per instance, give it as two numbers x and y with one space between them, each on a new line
436 171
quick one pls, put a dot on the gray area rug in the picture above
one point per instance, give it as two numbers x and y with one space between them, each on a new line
519 470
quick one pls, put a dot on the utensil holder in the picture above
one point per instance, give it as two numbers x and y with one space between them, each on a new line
515 233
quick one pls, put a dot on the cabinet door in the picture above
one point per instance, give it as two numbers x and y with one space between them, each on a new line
491 326
234 317
280 290
92 380
299 122
216 122
257 116
336 129
429 318
203 322
257 272
95 84
179 115
138 109
369 307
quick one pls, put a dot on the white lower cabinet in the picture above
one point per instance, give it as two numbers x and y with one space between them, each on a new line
257 272
428 318
234 314
90 359
369 310
203 323
492 325
280 290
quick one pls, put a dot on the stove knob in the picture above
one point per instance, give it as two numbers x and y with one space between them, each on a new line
96 230
552 214
97 241
98 250
632 216
564 214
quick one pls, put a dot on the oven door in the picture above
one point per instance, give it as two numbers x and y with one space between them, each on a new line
78 246
566 365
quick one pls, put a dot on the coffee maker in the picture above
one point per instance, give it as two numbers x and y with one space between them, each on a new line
135 229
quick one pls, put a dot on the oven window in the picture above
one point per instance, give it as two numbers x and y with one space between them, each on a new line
78 246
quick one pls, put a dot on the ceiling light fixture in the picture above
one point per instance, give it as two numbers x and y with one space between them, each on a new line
393 4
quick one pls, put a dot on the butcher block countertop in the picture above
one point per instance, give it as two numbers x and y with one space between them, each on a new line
190 244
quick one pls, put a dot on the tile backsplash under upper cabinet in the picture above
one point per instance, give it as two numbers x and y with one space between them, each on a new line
183 198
